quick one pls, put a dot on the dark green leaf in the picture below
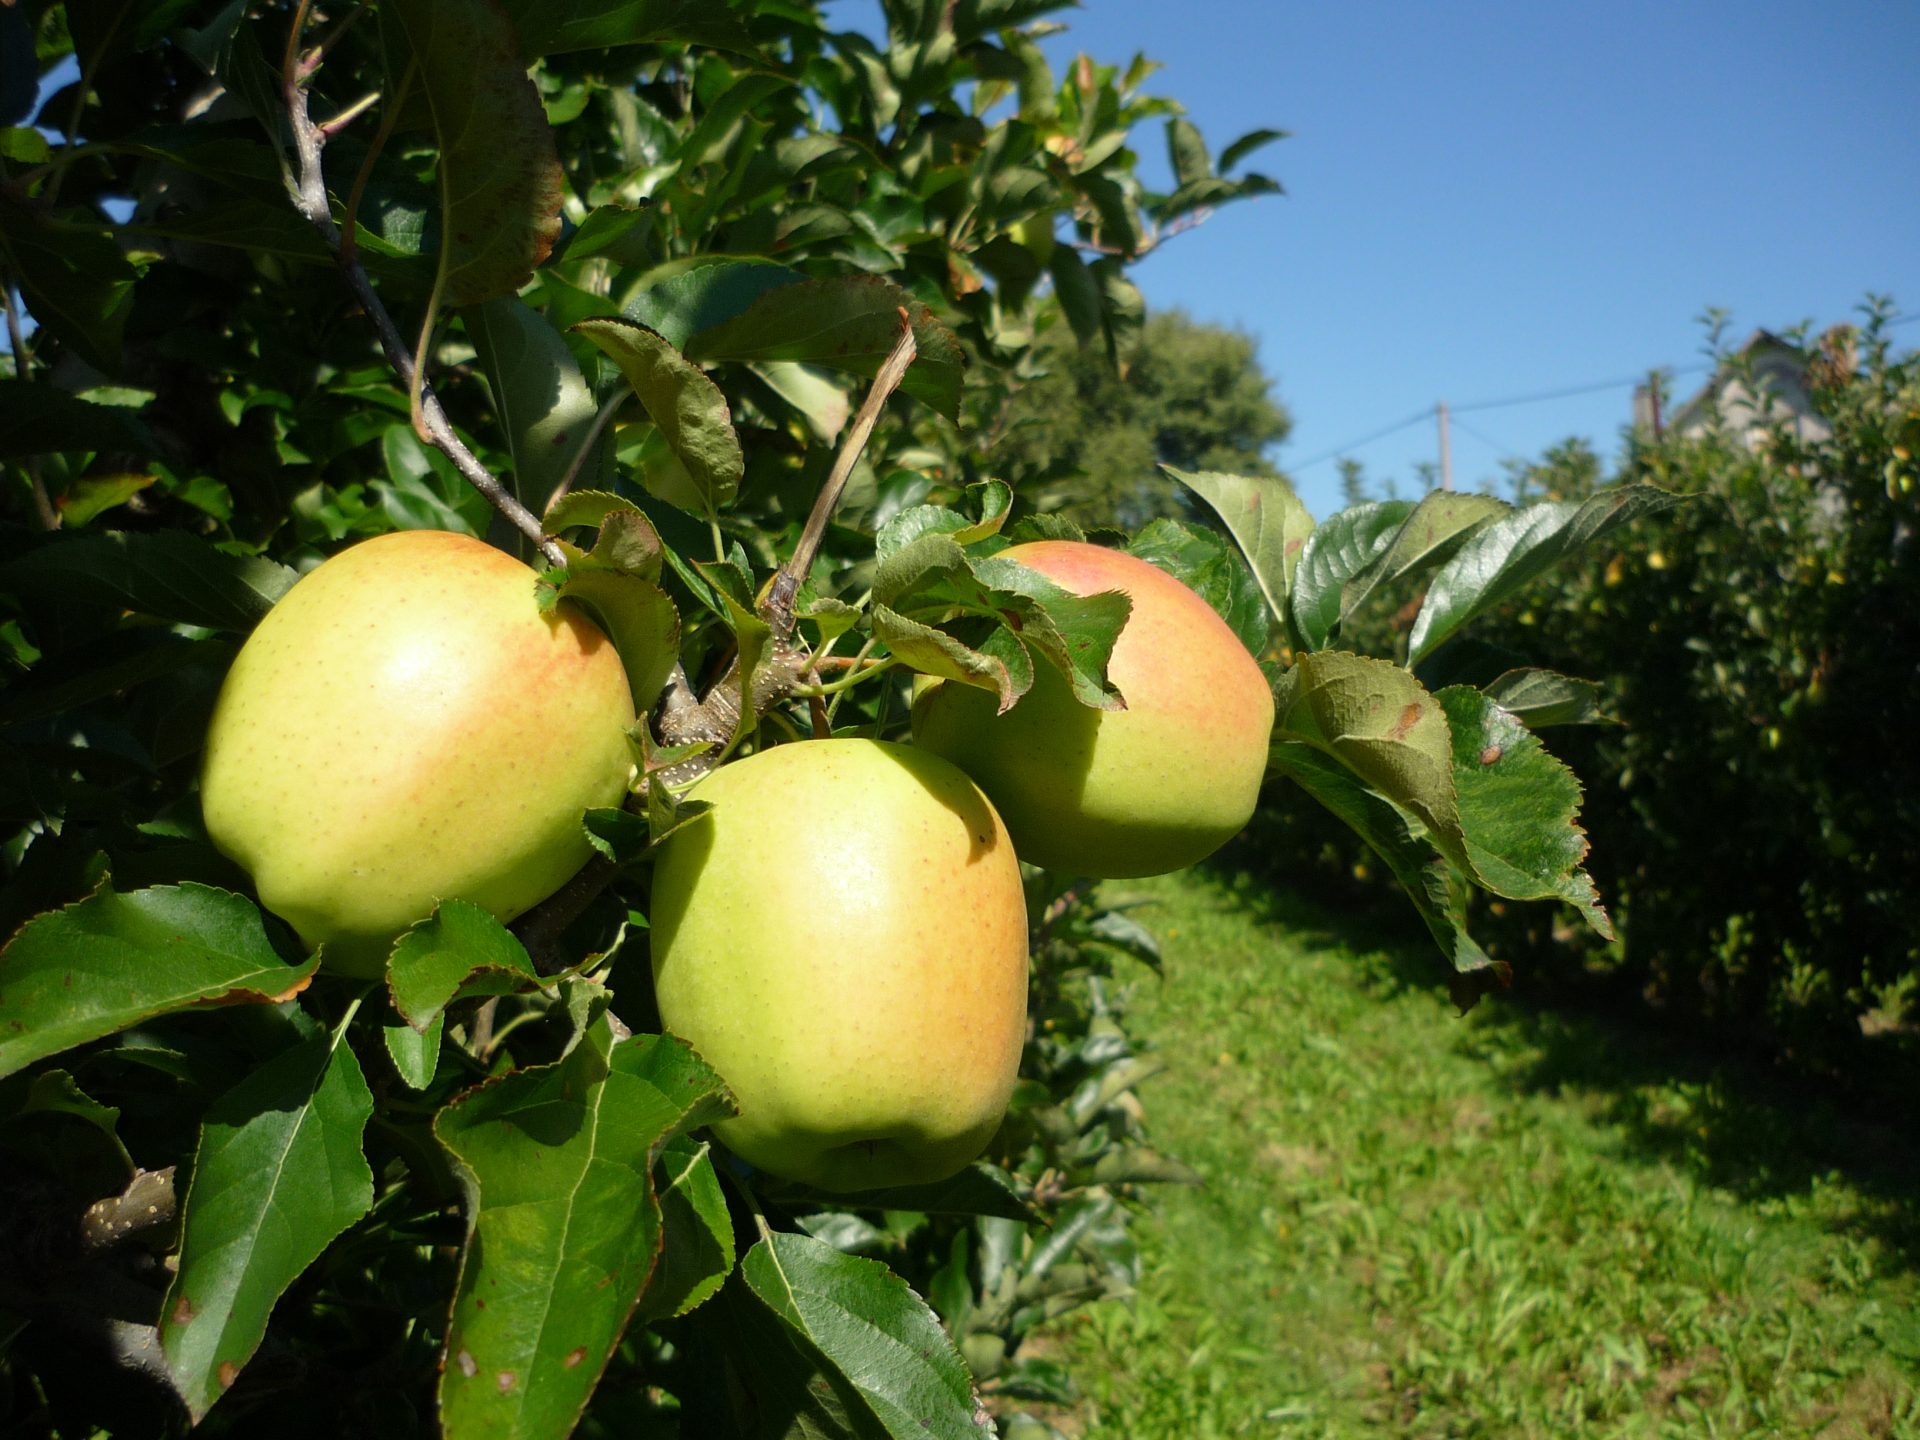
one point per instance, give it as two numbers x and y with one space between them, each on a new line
1187 152
1378 721
849 322
685 297
167 574
114 664
1078 293
37 418
564 1224
500 177
278 1174
696 1254
622 233
1518 808
1123 311
1504 556
1538 698
689 409
980 1189
113 960
1268 520
548 29
543 401
1246 145
860 1321
635 613
1431 884
459 950
74 278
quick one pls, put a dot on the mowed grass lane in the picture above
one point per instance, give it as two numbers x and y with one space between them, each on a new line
1519 1223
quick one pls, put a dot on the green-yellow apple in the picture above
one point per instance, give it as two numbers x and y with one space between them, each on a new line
407 727
1140 791
844 938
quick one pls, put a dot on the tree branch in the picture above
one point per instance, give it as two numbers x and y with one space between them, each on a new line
308 187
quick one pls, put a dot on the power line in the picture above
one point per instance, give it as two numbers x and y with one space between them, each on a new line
1505 452
1419 417
1534 398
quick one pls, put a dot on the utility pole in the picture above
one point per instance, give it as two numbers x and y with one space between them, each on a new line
1446 448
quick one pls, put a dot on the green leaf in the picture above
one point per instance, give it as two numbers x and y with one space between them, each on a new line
696 1253
1123 311
1239 149
278 1174
458 951
1187 152
894 1365
689 409
635 613
1431 884
1347 573
423 490
1078 293
1500 559
1538 698
549 29
415 1054
1518 807
500 179
168 574
564 1224
684 297
980 1189
114 960
848 322
622 233
1207 565
73 276
1345 546
108 666
543 401
36 419
1266 518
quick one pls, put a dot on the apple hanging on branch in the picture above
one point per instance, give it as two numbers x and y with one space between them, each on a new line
407 726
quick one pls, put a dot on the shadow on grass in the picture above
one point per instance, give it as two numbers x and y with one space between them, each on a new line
1679 1094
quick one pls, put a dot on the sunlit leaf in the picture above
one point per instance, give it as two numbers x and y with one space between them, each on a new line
278 1174
895 1366
689 409
564 1225
112 960
1509 553
1267 519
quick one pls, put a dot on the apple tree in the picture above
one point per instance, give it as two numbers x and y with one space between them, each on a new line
713 315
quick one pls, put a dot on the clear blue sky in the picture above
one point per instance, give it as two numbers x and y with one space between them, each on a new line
1498 199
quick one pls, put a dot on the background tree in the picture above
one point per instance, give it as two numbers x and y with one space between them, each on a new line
1087 440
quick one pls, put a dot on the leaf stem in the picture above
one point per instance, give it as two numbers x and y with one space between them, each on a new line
588 441
846 682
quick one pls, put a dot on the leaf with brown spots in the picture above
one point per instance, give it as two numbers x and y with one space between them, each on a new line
500 177
278 1174
113 960
564 1224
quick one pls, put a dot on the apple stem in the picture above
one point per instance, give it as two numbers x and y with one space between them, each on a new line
308 187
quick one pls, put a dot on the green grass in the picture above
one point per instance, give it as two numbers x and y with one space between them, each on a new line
1515 1224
